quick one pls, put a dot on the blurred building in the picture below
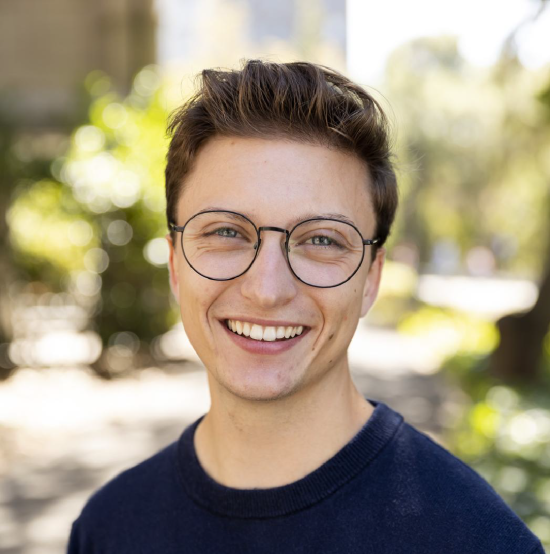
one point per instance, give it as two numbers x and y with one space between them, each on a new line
48 47
212 29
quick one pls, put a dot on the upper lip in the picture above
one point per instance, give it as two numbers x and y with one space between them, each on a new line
266 322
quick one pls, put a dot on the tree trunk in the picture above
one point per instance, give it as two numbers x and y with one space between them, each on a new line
519 356
7 272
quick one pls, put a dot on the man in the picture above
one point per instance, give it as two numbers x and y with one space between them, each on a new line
280 197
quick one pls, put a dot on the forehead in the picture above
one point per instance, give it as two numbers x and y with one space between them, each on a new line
277 181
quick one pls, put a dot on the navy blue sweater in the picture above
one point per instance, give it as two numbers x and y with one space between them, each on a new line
390 490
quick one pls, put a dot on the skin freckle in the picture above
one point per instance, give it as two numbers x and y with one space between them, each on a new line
330 337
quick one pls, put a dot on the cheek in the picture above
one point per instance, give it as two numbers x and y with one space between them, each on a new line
196 295
341 309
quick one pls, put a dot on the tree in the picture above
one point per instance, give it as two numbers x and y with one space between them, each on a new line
101 220
519 355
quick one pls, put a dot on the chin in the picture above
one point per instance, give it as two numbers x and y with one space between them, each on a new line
258 383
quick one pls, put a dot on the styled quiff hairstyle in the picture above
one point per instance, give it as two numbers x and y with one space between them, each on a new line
297 101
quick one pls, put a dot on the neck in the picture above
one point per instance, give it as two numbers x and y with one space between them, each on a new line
269 444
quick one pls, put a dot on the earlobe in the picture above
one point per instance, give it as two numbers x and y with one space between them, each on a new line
372 282
172 269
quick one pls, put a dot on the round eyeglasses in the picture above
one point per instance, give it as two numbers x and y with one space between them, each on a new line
221 245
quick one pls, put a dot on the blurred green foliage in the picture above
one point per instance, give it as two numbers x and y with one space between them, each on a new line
502 431
449 330
475 155
97 224
474 151
504 434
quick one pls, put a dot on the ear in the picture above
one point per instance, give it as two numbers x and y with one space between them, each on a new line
372 283
173 269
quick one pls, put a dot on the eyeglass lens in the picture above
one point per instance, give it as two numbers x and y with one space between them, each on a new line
321 252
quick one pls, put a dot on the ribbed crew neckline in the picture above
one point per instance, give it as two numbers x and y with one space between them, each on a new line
351 459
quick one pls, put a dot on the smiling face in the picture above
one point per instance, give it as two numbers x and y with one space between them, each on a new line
274 183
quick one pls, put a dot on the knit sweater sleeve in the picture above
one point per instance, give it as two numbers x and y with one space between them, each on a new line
76 540
72 547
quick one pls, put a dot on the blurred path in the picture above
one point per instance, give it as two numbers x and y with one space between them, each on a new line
63 432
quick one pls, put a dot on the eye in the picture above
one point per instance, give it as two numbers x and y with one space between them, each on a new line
320 240
323 240
226 232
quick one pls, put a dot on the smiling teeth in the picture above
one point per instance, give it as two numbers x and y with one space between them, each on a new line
259 332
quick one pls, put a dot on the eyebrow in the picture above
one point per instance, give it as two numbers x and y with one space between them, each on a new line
294 221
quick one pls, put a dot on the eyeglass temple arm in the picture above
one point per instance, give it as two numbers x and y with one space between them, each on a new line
175 227
370 241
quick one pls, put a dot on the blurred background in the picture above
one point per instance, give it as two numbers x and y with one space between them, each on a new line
96 373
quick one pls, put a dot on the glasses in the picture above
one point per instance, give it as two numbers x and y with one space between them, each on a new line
321 252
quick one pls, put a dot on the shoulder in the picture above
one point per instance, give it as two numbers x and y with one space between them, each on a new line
443 493
441 471
133 491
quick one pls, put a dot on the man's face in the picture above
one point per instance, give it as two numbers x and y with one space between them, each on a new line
274 183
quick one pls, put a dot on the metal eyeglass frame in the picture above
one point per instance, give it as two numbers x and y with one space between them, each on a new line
181 229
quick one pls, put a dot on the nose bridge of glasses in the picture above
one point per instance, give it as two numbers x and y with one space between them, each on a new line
277 229
270 228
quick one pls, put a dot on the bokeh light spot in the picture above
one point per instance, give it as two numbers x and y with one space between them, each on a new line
89 138
88 283
127 190
523 428
512 479
80 232
96 260
147 81
502 398
119 232
114 115
156 252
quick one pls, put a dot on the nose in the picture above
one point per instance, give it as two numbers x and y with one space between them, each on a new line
269 282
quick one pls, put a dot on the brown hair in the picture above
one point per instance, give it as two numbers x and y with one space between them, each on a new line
298 101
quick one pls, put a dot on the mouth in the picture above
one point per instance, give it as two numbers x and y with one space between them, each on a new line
264 340
264 333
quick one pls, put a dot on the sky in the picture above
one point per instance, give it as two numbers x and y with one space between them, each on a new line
375 29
